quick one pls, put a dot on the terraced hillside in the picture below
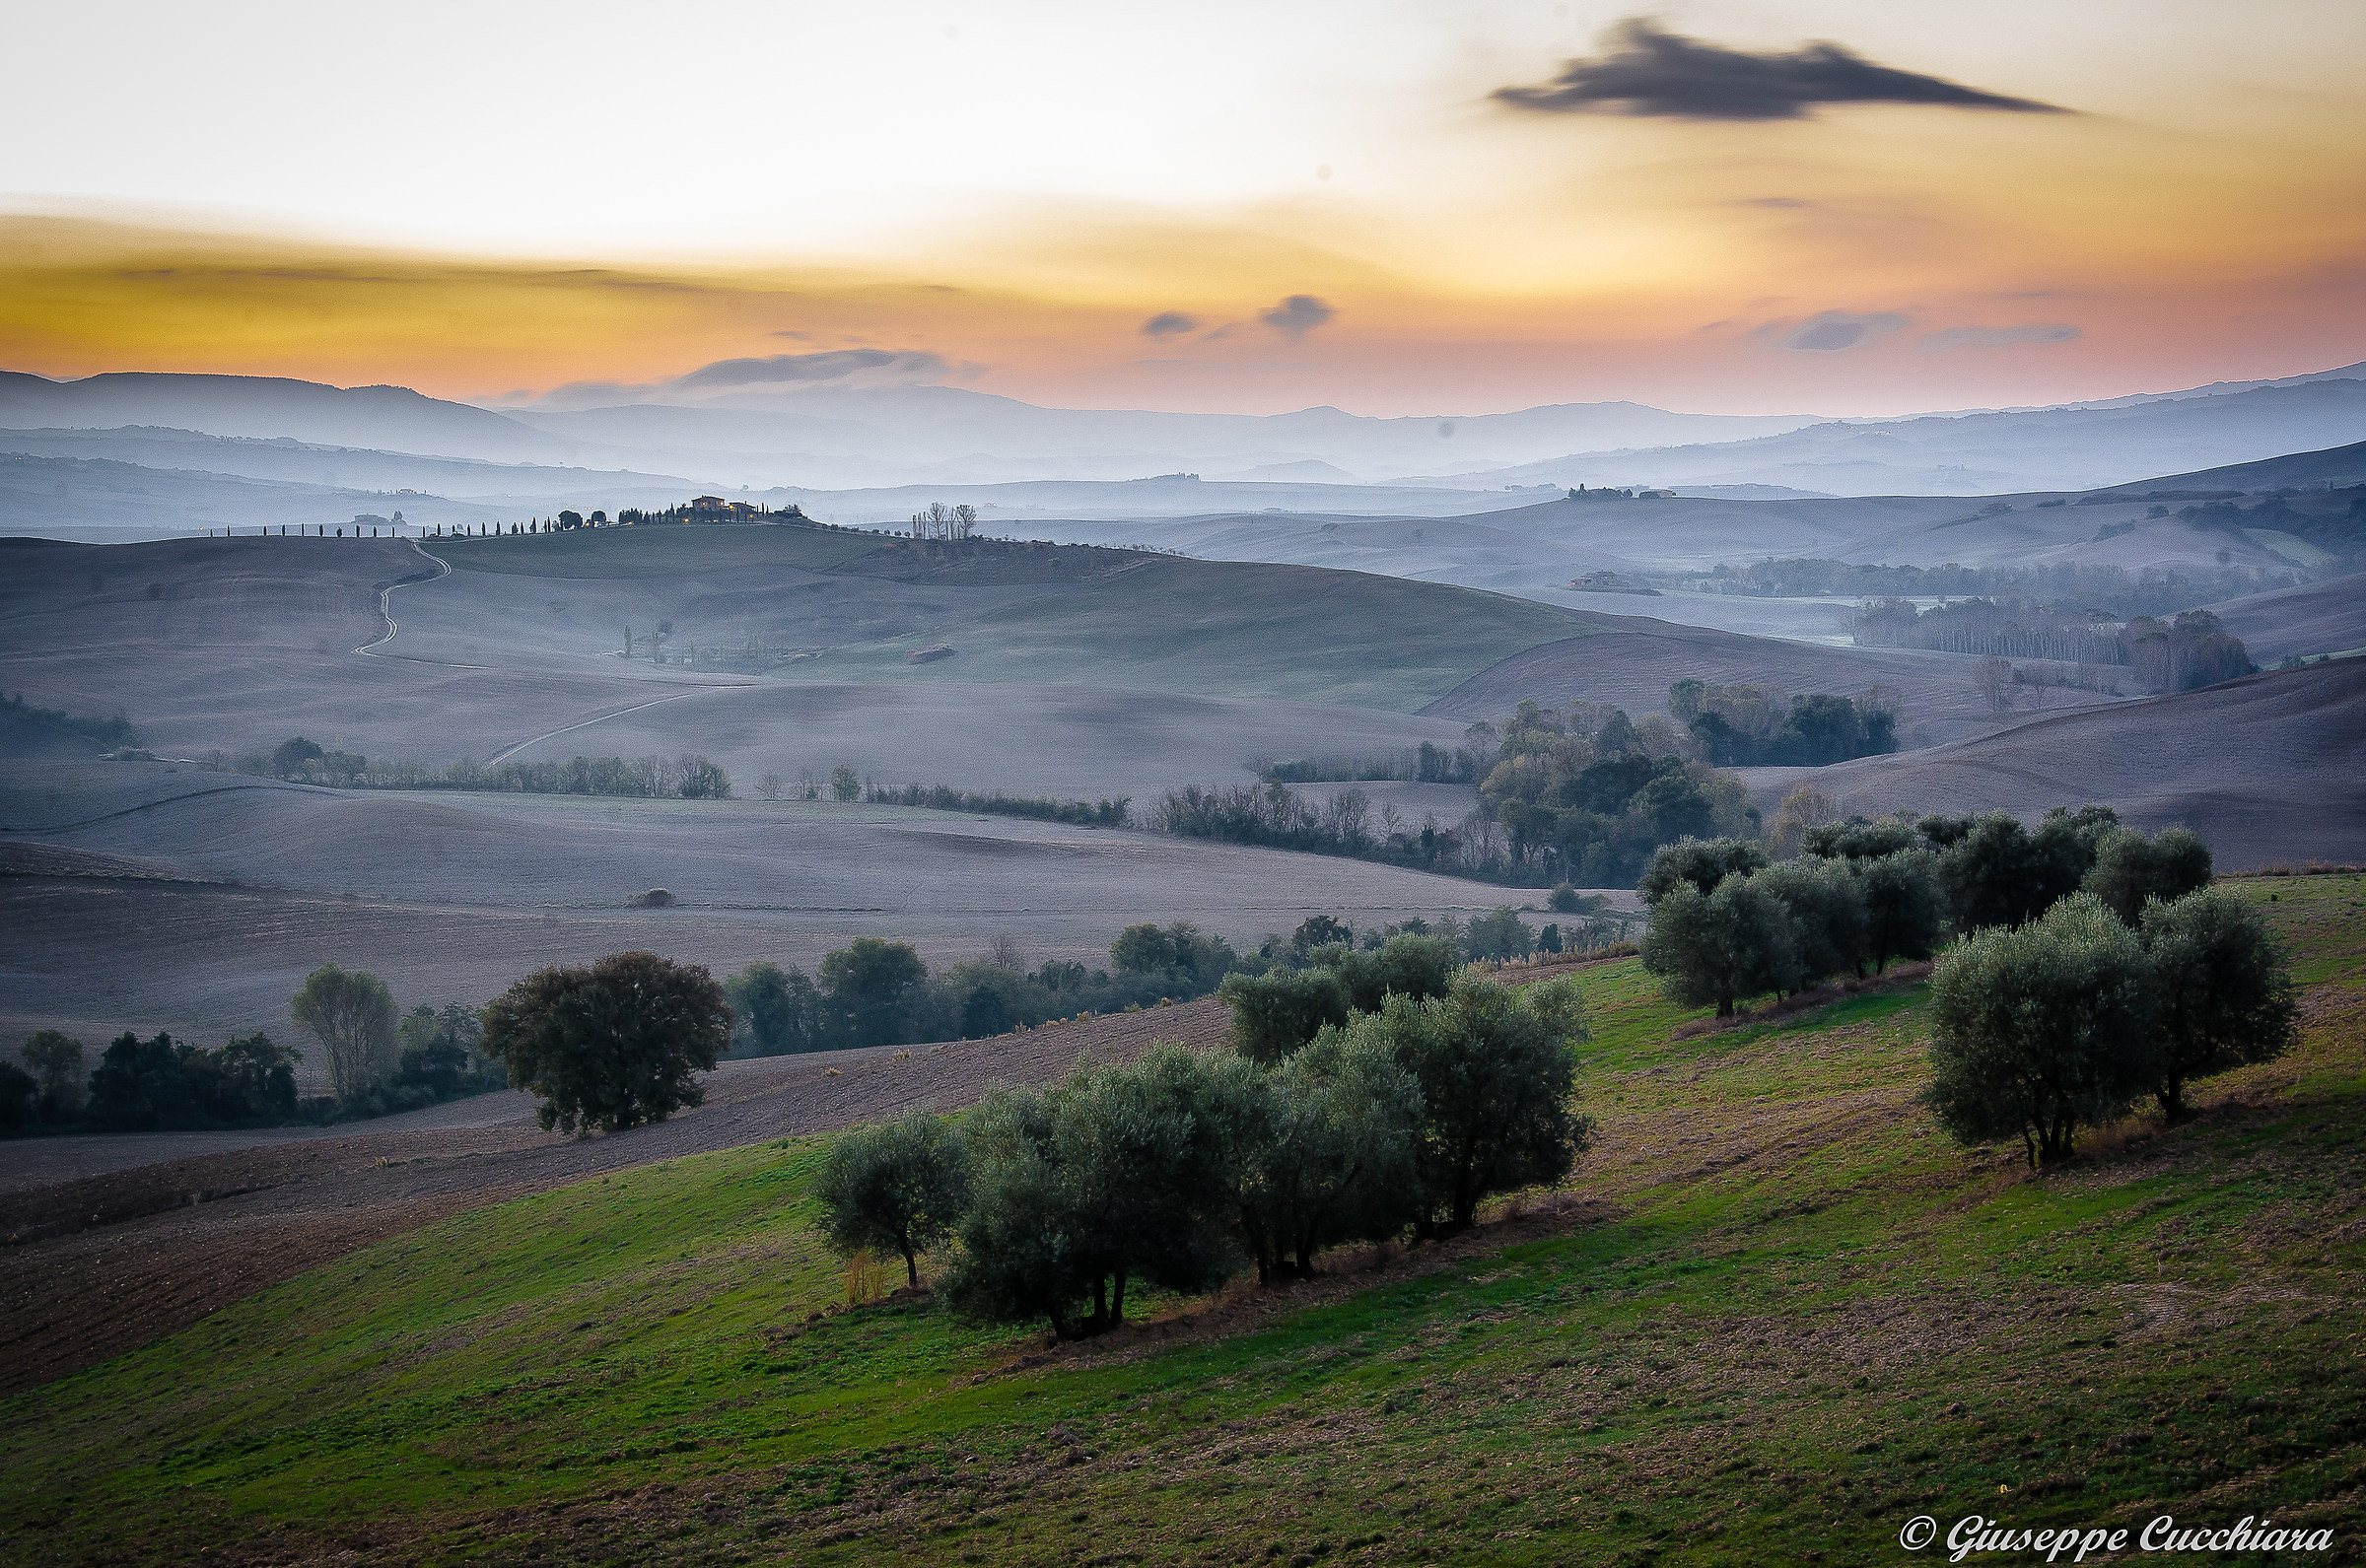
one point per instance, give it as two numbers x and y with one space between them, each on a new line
1774 1317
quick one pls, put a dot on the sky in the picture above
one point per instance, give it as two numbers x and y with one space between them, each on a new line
1390 207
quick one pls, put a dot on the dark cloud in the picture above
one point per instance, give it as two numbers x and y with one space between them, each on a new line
1982 337
1298 315
1168 322
876 366
1829 331
1644 71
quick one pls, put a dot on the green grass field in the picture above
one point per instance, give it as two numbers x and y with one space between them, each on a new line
1787 1315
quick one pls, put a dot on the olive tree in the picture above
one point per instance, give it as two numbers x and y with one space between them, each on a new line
1404 965
1734 942
1905 904
1108 1178
1495 1065
1317 1150
2224 993
897 1186
2040 1030
614 1045
1702 863
1827 910
2131 869
1275 1013
352 1015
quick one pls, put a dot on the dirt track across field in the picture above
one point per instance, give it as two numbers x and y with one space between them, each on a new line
100 1264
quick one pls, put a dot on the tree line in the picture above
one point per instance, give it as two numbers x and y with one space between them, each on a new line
1755 726
2122 593
686 778
1185 1169
378 1062
2188 651
1728 925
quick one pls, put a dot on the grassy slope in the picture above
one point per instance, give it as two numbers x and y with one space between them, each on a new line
1798 1317
1235 629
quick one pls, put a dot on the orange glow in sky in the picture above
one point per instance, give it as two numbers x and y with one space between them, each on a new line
1013 197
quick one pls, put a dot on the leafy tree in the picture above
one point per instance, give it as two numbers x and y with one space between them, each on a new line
443 1054
293 756
352 1015
2043 1029
1905 904
19 1097
1275 1013
1110 1177
1735 942
55 1059
1498 935
702 780
1858 839
899 1187
2131 869
138 1085
1404 965
2224 991
251 1080
1180 954
1702 862
844 786
1566 899
775 1011
1827 910
1318 930
1495 1065
610 1046
1316 1151
871 984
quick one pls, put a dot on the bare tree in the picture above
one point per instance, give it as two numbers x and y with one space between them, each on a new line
1994 682
769 786
1003 952
808 787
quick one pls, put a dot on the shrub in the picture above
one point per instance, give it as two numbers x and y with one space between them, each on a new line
1735 942
352 1015
2041 1030
1700 862
1275 1013
2131 869
897 1188
2224 993
611 1045
1495 1065
1566 899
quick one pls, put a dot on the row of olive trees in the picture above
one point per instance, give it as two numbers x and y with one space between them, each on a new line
1727 924
1181 1170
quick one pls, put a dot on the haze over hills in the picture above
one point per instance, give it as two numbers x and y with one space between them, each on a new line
836 437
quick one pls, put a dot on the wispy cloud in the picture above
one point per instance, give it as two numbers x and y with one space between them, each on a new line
1829 331
1647 71
1167 323
1298 315
1982 337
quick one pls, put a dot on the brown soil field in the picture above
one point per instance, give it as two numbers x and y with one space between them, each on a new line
98 1265
2266 769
